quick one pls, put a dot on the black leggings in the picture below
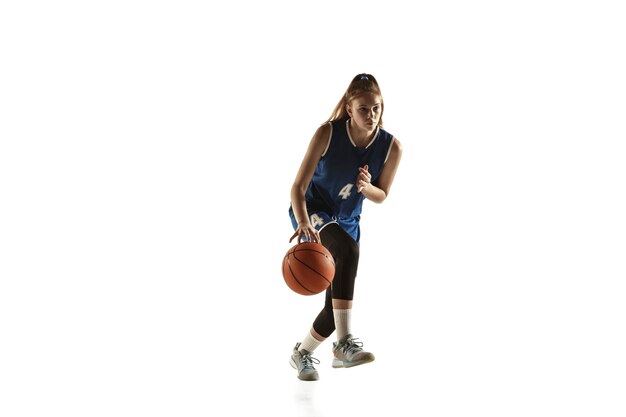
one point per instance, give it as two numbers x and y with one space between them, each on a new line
346 253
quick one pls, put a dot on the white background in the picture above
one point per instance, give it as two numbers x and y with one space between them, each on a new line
146 156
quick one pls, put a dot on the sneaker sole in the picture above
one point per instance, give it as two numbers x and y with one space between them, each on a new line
345 364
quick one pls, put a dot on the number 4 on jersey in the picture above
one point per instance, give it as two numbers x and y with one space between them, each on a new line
316 220
346 191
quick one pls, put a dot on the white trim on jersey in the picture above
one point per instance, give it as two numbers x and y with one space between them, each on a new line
326 224
329 138
350 136
393 139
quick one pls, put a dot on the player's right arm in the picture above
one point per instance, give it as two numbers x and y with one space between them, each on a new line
316 148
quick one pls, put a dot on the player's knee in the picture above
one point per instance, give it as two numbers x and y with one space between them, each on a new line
347 251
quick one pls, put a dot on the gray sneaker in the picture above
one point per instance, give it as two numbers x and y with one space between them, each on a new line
302 361
348 352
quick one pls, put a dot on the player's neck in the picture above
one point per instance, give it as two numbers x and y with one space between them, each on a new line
360 137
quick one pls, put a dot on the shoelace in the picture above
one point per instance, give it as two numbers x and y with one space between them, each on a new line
308 360
352 346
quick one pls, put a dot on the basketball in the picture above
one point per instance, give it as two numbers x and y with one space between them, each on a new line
308 268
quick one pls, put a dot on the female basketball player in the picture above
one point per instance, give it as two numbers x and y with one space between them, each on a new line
350 158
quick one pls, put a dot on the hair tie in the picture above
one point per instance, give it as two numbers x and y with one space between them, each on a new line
364 77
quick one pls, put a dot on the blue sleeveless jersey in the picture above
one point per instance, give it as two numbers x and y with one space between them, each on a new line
333 188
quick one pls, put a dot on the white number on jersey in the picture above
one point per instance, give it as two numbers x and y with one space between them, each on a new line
346 191
316 220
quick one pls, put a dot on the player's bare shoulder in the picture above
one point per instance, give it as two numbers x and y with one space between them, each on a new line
395 153
321 138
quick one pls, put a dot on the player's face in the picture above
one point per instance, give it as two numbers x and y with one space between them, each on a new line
365 110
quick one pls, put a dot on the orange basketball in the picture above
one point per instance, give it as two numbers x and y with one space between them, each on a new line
308 268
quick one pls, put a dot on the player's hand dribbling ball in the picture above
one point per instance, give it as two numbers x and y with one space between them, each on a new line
308 268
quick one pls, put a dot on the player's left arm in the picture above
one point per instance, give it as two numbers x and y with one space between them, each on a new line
379 192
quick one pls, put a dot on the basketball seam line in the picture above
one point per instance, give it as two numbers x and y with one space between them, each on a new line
317 272
295 277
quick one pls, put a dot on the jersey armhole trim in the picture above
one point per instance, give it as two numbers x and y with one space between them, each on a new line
393 139
330 135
